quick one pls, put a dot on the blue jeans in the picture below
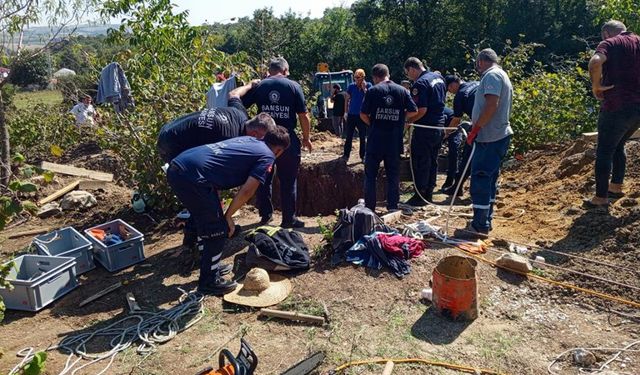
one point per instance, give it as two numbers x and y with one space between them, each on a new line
353 122
372 161
425 146
287 166
203 203
485 169
614 129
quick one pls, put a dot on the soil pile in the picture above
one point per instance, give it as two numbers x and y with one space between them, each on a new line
91 156
549 184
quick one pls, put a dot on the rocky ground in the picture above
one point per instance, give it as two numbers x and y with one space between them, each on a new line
523 324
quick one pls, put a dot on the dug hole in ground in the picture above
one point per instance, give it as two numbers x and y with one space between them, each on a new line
523 325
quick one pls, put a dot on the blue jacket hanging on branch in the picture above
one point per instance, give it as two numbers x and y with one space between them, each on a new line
114 88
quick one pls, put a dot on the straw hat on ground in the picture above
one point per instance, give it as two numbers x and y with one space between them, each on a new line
258 290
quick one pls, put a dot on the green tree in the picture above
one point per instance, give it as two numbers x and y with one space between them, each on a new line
15 16
627 11
170 67
30 71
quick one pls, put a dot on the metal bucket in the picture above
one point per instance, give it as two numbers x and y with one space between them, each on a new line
455 288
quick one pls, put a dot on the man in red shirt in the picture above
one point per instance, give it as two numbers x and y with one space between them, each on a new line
615 80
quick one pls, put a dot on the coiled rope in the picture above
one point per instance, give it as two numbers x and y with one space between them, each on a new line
149 329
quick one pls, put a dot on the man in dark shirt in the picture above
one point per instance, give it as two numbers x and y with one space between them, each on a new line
283 99
339 99
615 80
383 110
463 101
196 176
429 94
211 126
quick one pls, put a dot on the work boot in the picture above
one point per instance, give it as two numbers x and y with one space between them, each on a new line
452 189
447 184
416 201
219 288
225 269
470 233
295 223
264 220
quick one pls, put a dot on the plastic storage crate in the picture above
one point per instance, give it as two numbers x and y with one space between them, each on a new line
67 242
39 280
121 255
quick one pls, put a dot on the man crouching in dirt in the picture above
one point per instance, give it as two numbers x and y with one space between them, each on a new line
210 126
196 176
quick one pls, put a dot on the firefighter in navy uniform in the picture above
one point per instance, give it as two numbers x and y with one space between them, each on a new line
284 100
429 93
383 110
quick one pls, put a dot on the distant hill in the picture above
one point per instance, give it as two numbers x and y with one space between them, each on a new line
38 35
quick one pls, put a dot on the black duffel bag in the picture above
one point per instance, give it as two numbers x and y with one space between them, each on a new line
277 249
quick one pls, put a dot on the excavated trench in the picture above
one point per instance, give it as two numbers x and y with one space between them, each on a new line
326 183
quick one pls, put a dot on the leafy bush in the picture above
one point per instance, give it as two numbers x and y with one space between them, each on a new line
34 130
550 104
30 71
4 271
74 87
170 68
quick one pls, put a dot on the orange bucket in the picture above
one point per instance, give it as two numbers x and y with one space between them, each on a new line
455 289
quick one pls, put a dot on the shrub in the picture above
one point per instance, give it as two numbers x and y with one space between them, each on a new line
34 130
550 103
33 70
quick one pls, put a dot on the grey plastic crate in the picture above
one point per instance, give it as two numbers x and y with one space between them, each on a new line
122 255
67 242
39 280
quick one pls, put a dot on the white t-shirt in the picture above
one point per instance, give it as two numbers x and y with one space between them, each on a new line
84 114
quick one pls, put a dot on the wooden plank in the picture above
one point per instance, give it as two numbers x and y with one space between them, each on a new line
92 185
75 171
29 233
594 135
388 368
292 315
101 293
59 193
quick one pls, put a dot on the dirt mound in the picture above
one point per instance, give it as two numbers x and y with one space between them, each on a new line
90 155
549 185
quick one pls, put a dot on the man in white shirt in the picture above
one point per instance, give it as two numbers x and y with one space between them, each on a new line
84 112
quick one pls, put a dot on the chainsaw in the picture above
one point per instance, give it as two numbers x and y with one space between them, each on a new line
246 361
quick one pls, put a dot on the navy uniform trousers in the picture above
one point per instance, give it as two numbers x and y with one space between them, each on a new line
203 203
287 166
425 146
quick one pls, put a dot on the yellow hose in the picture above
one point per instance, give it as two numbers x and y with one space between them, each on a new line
554 282
450 366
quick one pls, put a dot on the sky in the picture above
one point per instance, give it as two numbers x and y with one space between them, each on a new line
211 11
